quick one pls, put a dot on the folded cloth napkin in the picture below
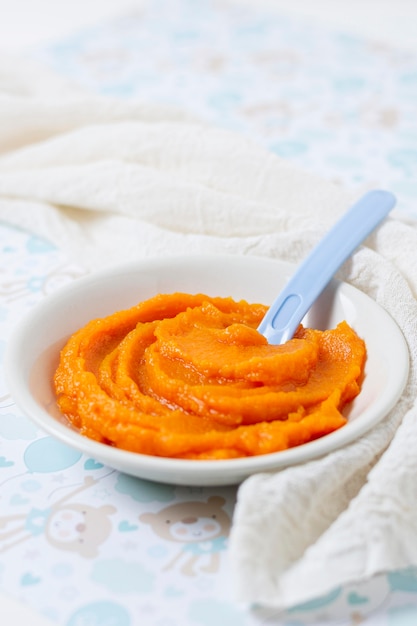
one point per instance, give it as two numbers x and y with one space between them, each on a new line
110 181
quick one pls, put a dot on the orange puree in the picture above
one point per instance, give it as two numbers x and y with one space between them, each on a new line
189 376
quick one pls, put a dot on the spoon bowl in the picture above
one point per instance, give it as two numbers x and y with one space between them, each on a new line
286 312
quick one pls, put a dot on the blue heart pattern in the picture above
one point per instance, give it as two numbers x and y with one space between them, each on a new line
126 527
5 463
355 599
29 579
91 464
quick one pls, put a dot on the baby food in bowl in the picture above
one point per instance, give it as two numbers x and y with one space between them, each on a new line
190 377
64 319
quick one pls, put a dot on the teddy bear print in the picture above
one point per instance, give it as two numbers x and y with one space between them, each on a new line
74 527
202 529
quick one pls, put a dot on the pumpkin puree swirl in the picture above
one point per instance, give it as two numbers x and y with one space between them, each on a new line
189 376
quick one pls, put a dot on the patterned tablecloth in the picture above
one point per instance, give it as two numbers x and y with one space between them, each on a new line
86 545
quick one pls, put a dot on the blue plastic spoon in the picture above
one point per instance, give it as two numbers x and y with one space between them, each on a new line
285 314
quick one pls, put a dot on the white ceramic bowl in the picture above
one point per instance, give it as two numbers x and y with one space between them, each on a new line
33 353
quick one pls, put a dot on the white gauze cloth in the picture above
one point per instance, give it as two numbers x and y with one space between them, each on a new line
110 181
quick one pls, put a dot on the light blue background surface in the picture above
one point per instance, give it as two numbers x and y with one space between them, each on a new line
333 104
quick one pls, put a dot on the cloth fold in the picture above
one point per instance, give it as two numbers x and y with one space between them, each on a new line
110 181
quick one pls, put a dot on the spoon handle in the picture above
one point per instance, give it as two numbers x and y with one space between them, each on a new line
283 317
